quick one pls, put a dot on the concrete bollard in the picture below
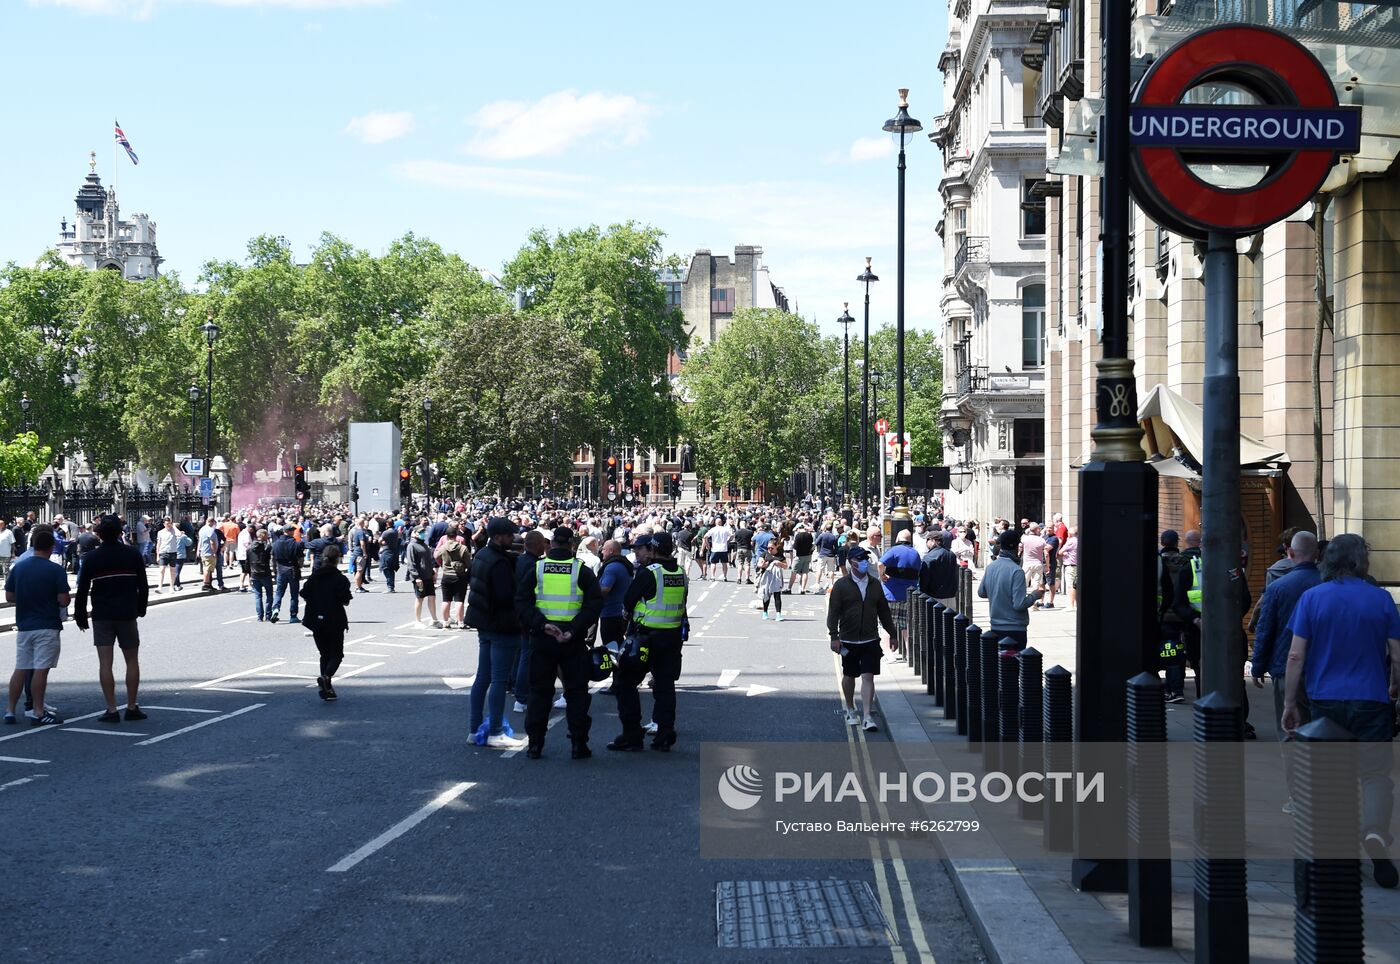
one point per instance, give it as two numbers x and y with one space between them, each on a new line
970 691
1030 734
1058 828
1008 758
1221 901
931 665
991 717
952 670
1149 825
1327 916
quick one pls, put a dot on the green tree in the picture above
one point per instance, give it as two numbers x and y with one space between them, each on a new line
602 286
923 394
496 386
758 397
23 459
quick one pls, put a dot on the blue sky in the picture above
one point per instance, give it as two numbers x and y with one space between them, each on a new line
471 123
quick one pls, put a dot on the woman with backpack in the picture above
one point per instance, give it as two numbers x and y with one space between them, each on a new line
326 593
454 559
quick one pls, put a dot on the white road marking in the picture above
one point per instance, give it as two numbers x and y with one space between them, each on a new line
80 729
407 636
287 676
407 624
230 689
355 672
179 709
401 828
548 726
21 781
424 649
756 689
201 723
354 642
246 672
458 682
230 622
727 678
382 643
20 759
30 731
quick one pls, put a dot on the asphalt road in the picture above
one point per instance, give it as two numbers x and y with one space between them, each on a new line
209 832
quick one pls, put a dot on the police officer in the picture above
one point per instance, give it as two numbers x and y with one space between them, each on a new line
656 601
557 601
1189 592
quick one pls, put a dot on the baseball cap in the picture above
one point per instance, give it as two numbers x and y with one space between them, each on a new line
563 535
663 543
857 553
642 541
500 526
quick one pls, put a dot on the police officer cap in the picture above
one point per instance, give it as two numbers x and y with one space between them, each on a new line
500 526
642 541
563 536
663 543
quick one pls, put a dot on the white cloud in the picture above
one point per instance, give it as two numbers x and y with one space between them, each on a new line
498 181
870 148
508 130
141 9
377 127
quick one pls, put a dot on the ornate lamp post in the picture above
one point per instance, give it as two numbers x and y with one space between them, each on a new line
846 321
24 404
900 126
865 277
194 394
211 335
426 458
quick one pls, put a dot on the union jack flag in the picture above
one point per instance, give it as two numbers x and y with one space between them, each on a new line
126 144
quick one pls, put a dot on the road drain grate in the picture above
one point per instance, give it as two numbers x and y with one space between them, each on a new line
799 913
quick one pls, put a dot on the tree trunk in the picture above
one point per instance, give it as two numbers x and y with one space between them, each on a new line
1324 317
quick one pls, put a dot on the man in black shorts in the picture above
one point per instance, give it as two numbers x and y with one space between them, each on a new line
855 611
115 576
743 552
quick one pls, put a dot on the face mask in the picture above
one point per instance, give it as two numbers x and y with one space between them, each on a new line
863 567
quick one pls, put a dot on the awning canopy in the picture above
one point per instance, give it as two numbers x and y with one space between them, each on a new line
1174 431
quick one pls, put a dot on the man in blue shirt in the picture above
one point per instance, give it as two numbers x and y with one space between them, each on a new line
899 570
615 579
761 540
1272 639
38 588
1343 631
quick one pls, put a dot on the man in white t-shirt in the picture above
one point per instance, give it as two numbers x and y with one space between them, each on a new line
720 537
7 548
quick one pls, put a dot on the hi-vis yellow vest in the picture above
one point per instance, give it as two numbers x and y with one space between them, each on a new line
557 595
665 609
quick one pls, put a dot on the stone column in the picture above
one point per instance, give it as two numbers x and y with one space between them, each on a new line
1185 322
1367 369
1290 314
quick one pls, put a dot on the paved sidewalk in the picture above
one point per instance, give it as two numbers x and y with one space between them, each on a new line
1027 910
191 581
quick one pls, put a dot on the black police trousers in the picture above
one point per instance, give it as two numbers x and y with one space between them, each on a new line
550 658
664 663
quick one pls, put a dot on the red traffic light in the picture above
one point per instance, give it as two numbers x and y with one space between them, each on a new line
612 460
301 468
404 473
675 477
627 467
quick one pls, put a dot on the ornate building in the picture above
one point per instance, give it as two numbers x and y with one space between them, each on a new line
99 238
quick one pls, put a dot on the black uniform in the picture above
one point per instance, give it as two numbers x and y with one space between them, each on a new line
664 664
550 658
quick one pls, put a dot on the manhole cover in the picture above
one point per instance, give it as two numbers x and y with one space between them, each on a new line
799 913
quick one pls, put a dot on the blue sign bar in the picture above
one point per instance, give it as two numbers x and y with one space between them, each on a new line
1238 129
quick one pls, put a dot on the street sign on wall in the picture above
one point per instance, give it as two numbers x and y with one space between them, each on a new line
192 467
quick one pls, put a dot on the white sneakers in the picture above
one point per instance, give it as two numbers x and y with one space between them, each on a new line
867 723
424 624
651 729
502 742
869 726
852 718
519 707
560 703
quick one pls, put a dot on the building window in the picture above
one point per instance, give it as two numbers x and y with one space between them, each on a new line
722 301
1032 209
672 454
673 294
1033 326
1028 438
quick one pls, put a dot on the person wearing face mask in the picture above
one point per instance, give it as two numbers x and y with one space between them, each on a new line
856 610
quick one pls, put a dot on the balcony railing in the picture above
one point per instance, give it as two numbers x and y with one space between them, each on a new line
971 251
1033 121
971 379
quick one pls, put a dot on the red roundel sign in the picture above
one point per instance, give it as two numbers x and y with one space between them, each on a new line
1272 104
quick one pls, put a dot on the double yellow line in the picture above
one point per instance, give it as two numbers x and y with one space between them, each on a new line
860 759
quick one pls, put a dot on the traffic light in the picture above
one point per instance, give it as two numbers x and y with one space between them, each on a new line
303 491
612 477
646 488
627 476
354 492
405 484
675 485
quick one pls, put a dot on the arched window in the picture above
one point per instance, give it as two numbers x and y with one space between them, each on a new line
1033 326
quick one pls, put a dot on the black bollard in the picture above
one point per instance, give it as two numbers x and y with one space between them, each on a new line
952 669
932 665
935 620
970 693
1221 901
1327 916
1030 735
965 592
1008 708
904 637
991 721
1058 829
1149 842
916 631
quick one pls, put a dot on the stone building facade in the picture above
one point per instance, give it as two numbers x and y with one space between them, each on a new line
993 228
98 238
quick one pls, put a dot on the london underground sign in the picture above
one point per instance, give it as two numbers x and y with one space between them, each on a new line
1296 130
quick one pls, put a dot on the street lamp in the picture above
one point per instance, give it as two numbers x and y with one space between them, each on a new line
211 334
877 378
960 477
553 449
427 434
194 394
866 277
845 321
24 404
900 126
